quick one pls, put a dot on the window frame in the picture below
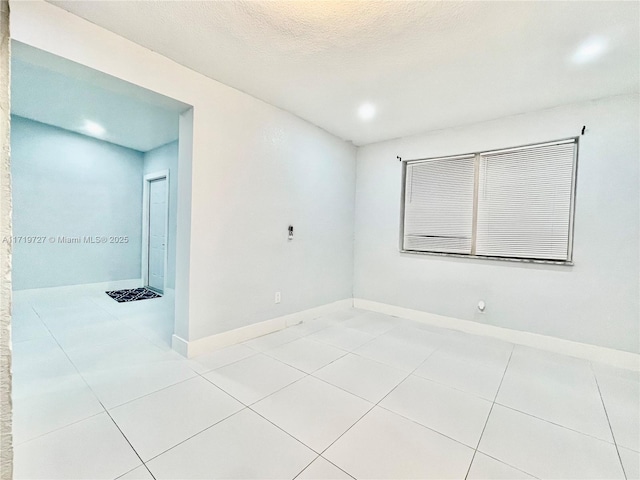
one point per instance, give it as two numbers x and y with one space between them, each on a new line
477 155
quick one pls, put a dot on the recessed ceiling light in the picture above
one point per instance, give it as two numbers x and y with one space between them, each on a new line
93 128
590 49
367 111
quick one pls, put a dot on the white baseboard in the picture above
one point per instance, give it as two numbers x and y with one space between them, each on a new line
595 353
208 344
609 356
83 287
180 345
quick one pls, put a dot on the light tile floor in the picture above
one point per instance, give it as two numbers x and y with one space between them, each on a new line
99 394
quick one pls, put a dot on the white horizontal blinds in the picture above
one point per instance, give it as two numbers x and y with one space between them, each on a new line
439 205
524 202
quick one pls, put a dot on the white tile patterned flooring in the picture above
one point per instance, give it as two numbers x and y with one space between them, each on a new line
98 394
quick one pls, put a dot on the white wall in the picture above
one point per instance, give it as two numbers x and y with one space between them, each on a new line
255 170
71 185
595 301
156 160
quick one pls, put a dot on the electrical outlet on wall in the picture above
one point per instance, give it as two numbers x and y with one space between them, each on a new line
277 297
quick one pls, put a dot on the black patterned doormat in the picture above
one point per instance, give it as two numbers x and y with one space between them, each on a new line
132 294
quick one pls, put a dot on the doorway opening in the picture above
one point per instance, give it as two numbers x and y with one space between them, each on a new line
96 165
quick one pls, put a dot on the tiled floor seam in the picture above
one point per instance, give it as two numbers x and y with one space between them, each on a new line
60 428
347 391
98 399
346 352
280 389
135 468
604 406
107 343
329 461
258 413
78 372
258 350
405 336
130 444
301 378
194 435
377 404
554 423
453 388
425 426
529 415
312 374
222 366
508 464
151 393
475 451
133 399
101 307
306 466
339 468
245 406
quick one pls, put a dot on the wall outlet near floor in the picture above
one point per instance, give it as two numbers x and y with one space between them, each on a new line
277 297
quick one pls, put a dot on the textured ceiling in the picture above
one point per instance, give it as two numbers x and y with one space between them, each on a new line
424 65
61 93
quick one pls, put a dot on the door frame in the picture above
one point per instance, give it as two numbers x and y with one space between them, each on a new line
148 178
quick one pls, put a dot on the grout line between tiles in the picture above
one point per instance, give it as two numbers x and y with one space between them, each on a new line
135 468
244 407
312 374
100 402
508 465
60 428
334 324
307 466
489 415
457 389
150 393
265 351
130 444
303 371
397 385
346 473
72 364
424 426
378 402
248 406
337 324
624 472
305 375
553 423
255 352
328 461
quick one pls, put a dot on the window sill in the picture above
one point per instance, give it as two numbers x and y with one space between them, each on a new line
568 263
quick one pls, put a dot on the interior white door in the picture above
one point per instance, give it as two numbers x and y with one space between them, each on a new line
157 233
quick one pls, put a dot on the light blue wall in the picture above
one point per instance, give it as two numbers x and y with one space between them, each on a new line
66 184
166 158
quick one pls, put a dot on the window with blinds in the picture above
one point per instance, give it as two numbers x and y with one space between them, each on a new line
515 203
